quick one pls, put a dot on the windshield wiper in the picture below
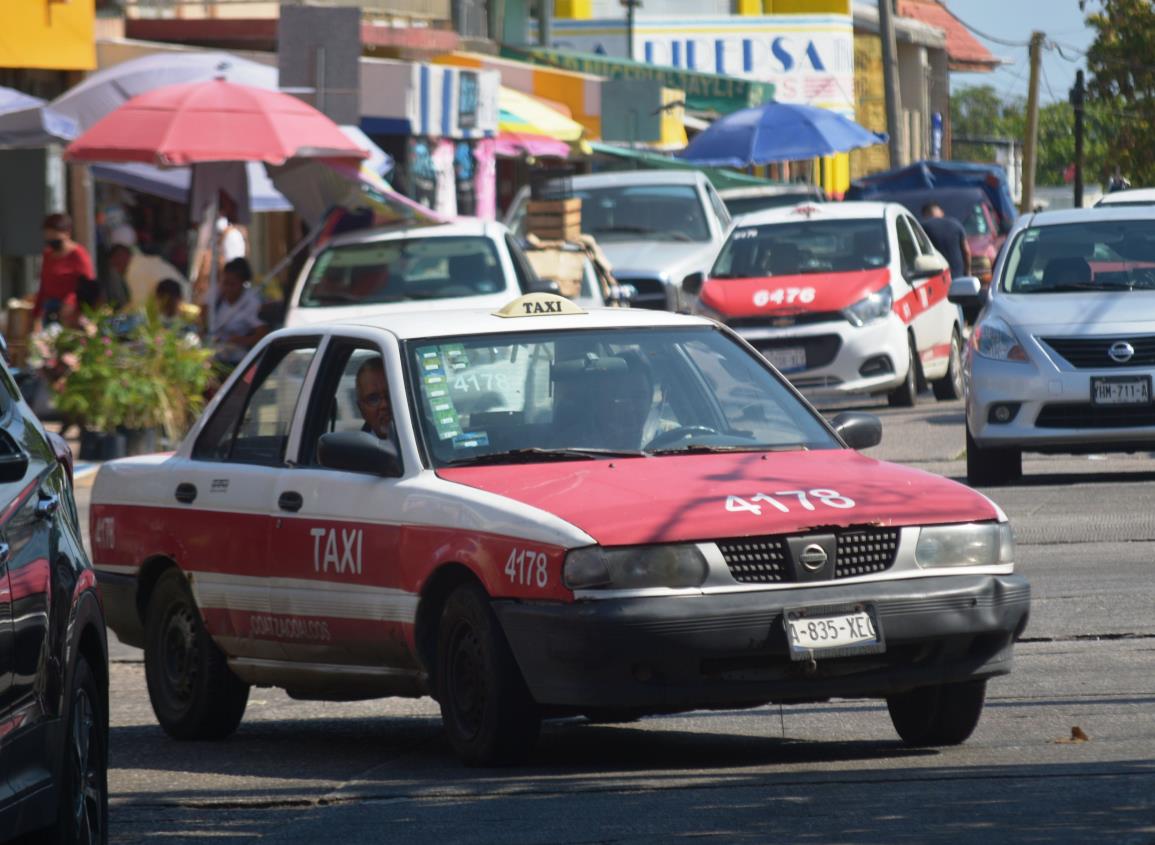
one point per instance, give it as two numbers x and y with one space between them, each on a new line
643 230
1073 287
703 448
535 454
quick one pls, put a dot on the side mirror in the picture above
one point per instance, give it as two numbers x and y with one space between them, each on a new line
692 284
358 451
544 286
13 467
858 429
965 291
929 265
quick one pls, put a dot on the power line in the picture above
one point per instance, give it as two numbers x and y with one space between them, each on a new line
980 34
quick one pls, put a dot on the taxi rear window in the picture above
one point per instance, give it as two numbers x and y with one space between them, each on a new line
403 270
600 390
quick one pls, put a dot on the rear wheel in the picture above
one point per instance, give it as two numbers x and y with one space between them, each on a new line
992 466
950 386
906 394
193 692
83 813
945 714
489 715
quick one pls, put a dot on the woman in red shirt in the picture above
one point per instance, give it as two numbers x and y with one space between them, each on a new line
66 269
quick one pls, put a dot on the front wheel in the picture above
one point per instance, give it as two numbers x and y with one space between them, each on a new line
950 386
83 813
489 715
193 692
906 394
944 714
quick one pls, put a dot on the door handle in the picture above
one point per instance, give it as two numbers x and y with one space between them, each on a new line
186 493
47 506
290 500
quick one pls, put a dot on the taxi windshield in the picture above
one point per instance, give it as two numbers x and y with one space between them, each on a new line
806 246
571 395
1078 257
401 270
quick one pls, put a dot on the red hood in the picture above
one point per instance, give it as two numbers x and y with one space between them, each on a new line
684 498
825 292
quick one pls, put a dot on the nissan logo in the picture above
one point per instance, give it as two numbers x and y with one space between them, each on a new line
813 557
1121 352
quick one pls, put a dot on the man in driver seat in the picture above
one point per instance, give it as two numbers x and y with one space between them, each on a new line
373 400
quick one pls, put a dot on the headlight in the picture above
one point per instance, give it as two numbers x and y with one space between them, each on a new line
873 307
634 567
974 544
981 267
994 339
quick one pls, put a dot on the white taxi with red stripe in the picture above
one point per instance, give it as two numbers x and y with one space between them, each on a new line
544 512
842 298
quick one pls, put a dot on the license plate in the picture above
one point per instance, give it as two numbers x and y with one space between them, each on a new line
1121 390
826 632
787 358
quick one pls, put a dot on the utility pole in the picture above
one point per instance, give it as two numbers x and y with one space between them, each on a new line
890 80
631 6
1031 142
1077 99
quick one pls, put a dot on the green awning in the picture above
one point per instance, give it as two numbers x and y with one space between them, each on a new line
709 93
636 159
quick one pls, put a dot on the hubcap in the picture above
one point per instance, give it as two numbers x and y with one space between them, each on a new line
180 652
467 680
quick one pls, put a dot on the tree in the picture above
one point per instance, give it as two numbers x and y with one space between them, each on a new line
979 112
1121 62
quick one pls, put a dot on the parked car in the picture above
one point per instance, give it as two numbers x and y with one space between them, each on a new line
470 263
655 226
843 298
53 651
1134 196
612 513
971 208
1063 355
762 197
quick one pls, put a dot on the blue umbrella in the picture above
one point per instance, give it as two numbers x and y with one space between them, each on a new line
777 132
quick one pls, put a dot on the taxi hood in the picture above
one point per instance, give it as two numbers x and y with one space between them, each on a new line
681 498
809 292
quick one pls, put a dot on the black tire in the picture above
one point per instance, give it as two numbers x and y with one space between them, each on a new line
950 386
82 816
193 692
988 467
906 394
489 715
945 714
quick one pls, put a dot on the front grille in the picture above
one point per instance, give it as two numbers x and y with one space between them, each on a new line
775 321
1086 415
865 552
1091 352
651 293
820 349
757 560
766 560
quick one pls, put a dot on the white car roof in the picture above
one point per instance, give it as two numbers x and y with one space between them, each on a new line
1086 215
1135 196
436 322
822 211
463 226
639 177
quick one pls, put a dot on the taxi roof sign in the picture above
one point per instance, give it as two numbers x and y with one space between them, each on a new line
539 305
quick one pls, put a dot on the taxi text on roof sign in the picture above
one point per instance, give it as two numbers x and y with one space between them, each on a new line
539 304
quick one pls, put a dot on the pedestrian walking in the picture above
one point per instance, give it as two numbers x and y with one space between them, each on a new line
67 278
949 238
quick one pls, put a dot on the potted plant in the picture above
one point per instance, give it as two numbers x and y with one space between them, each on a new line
127 380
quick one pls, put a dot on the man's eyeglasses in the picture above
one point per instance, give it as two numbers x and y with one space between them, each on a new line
374 400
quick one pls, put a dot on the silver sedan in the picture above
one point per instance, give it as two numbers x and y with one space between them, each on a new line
1062 356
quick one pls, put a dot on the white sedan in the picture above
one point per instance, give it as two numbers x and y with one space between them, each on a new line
1062 358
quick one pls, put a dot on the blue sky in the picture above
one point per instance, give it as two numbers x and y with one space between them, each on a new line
1014 20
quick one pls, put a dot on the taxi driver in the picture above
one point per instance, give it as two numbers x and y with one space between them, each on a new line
373 399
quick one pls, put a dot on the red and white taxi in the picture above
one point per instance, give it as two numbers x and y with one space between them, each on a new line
842 298
602 513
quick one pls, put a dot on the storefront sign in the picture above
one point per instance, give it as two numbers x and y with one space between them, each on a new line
705 92
808 58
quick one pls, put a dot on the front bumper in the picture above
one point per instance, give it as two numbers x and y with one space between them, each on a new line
1054 411
667 654
881 347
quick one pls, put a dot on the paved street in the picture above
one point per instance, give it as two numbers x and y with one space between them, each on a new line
379 771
